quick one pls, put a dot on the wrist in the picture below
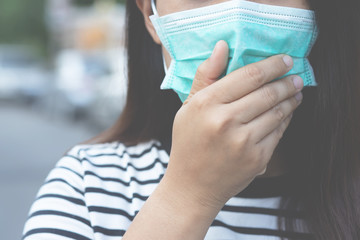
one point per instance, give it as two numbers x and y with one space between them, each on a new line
179 198
171 213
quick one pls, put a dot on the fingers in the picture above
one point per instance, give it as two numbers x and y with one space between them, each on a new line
266 97
266 123
269 142
250 77
211 69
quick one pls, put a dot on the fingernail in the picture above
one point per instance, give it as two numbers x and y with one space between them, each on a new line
288 60
215 48
298 82
299 96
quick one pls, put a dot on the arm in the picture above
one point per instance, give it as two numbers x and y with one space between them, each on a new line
171 214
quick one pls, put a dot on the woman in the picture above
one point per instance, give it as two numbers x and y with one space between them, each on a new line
229 175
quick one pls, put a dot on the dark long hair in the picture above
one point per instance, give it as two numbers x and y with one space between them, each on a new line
323 141
321 145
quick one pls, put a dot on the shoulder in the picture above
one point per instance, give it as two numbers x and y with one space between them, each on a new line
114 159
115 153
84 166
93 181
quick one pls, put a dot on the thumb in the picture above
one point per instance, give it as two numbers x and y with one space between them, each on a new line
211 69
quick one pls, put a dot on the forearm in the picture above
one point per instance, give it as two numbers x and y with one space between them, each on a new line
169 214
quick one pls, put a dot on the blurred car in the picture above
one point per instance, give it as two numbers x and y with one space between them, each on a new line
73 79
21 73
112 90
90 85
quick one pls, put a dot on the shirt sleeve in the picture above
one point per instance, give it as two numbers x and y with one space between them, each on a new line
59 211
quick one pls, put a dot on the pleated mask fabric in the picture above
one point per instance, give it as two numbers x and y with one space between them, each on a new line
252 30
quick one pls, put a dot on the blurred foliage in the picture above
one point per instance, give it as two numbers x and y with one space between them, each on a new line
84 2
22 22
90 2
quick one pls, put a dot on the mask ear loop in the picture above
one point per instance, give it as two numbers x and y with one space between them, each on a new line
154 8
164 63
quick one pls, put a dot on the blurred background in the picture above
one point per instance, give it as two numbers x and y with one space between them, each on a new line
62 81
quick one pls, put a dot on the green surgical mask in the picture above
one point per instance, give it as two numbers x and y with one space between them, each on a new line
252 30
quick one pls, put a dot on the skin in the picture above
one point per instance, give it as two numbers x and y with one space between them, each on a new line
230 141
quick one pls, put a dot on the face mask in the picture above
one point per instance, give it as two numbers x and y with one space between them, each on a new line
253 32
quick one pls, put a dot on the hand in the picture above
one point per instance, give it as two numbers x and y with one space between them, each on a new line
226 131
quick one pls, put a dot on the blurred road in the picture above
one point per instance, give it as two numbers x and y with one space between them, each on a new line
31 142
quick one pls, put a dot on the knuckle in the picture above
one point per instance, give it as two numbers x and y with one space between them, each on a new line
289 85
242 139
218 124
280 133
278 113
270 95
260 156
280 130
260 162
255 74
220 93
201 71
201 100
294 103
263 171
286 123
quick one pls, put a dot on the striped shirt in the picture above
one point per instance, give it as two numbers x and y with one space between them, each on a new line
95 191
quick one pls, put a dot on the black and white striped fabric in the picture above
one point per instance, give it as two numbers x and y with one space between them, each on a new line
95 191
